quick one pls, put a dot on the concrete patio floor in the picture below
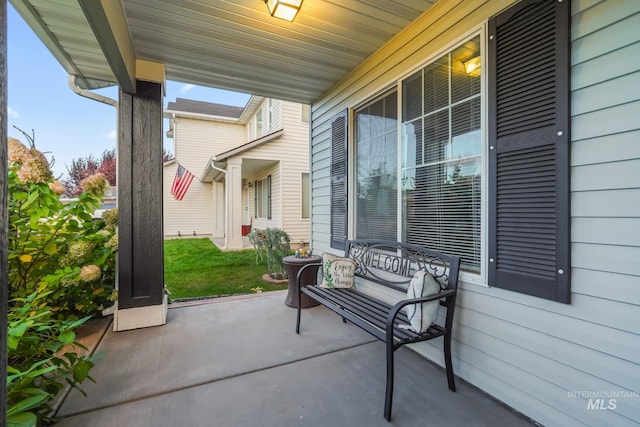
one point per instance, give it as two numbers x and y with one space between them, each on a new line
238 362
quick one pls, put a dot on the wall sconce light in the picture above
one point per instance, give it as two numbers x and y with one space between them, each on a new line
284 9
473 66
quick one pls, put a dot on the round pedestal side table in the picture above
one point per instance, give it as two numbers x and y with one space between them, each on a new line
293 265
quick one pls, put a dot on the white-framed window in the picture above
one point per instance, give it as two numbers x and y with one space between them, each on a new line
263 197
432 196
377 169
441 156
494 187
305 195
259 129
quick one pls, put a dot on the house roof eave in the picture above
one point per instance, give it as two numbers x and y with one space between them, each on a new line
170 114
249 145
213 171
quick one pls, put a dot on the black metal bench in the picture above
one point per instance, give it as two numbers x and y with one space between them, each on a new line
391 264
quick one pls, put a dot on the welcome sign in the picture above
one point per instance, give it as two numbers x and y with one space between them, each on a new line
382 261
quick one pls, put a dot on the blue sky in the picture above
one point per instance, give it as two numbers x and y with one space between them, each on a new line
68 126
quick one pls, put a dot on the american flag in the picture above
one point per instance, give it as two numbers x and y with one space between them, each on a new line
181 183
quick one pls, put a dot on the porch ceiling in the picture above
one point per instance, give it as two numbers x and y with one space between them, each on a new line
252 167
228 44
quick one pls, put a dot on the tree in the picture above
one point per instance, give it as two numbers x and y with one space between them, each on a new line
108 166
84 167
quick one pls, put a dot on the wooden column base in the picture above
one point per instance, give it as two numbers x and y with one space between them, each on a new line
140 317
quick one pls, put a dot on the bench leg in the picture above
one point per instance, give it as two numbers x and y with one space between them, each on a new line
299 310
388 396
447 361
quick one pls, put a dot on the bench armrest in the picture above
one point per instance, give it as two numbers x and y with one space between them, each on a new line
391 317
301 271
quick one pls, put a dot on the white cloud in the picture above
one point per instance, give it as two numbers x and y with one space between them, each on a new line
111 135
186 88
13 113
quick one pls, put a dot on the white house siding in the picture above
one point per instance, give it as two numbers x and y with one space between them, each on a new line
191 216
292 152
195 142
296 158
275 122
530 352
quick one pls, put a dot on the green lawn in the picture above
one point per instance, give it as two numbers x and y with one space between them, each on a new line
197 268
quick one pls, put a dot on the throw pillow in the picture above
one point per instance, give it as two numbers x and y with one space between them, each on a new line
422 315
338 272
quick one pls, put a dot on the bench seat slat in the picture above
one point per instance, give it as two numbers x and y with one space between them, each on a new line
329 302
370 310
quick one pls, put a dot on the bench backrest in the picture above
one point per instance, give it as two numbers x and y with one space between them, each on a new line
393 264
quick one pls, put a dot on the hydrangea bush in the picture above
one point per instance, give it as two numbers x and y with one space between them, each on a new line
58 247
61 271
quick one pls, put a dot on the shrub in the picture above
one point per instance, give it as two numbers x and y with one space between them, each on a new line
61 268
271 245
37 361
59 247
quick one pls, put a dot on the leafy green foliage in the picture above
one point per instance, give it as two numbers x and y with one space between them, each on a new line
40 358
50 243
271 245
61 269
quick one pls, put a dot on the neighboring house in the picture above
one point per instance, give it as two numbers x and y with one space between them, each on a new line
527 167
251 167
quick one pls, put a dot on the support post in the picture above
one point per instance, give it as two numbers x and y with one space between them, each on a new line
141 298
233 188
218 206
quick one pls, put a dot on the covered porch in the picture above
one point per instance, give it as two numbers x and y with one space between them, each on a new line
237 361
233 177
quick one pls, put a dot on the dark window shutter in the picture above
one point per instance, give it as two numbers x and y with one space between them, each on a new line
268 181
339 180
529 141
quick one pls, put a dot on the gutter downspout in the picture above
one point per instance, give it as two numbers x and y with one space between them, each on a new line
88 94
214 167
226 200
96 97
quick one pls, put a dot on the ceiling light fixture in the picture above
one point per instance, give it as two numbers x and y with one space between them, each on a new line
284 9
473 66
